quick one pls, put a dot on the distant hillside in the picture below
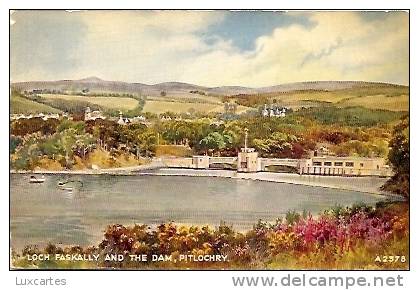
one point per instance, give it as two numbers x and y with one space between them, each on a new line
182 97
233 90
300 86
176 86
97 85
92 84
369 95
324 86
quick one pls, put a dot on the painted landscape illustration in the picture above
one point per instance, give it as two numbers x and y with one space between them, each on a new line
209 140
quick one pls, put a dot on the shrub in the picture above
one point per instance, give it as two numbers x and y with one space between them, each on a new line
341 238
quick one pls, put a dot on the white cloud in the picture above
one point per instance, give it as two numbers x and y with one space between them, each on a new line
153 47
341 46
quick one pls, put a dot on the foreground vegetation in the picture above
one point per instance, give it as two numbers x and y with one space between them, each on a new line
357 237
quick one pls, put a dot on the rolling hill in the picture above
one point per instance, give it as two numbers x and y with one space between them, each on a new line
339 93
20 105
95 84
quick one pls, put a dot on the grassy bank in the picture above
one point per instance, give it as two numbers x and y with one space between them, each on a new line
359 237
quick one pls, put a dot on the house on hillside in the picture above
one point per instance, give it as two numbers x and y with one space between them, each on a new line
273 111
230 108
126 121
45 117
93 115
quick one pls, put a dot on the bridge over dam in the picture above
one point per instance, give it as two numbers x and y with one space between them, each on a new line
319 165
215 162
248 161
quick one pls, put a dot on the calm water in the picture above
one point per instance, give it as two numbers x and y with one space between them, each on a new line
42 213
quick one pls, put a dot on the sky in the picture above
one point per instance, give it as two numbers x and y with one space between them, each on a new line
210 48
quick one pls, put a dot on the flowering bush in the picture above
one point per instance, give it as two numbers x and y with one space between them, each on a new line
339 238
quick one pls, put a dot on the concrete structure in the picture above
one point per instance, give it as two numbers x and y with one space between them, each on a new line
248 161
200 162
177 162
286 162
344 166
222 160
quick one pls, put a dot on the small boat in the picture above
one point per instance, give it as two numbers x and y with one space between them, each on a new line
61 185
34 179
69 186
65 182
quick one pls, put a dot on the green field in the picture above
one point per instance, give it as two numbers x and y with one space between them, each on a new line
396 103
158 107
187 98
351 116
20 105
116 103
386 97
381 96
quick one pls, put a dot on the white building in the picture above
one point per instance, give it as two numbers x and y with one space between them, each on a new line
345 166
93 115
273 111
43 116
138 119
127 121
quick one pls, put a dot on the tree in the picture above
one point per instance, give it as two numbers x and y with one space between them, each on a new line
67 141
278 144
84 144
399 154
399 158
28 126
146 142
14 143
213 141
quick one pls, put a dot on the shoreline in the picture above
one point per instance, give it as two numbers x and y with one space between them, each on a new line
365 184
333 182
129 170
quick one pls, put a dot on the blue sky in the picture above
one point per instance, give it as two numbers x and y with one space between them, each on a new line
210 47
244 27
